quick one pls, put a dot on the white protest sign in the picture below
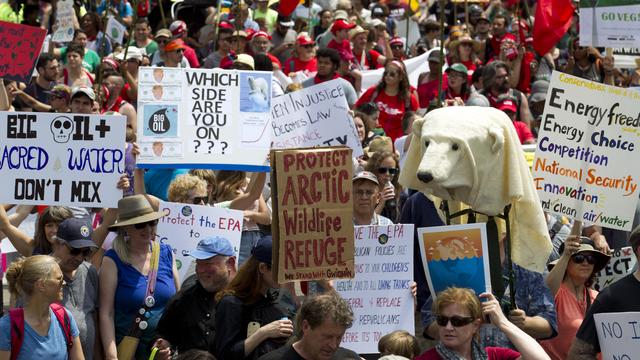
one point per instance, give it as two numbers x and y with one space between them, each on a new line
415 66
588 139
64 21
380 294
115 30
199 118
621 264
314 116
61 159
619 335
186 224
610 23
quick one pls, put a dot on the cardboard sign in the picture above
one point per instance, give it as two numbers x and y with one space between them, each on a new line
619 335
587 140
621 264
380 293
456 255
198 118
610 23
312 223
61 159
115 30
186 224
19 50
64 21
314 116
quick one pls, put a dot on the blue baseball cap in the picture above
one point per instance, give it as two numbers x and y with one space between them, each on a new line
262 250
212 246
76 232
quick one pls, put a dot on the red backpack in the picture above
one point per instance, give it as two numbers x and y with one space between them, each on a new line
16 319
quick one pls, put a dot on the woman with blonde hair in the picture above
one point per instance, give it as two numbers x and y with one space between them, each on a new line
137 278
459 315
39 281
386 166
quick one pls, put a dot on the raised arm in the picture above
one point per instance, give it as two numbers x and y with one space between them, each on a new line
254 190
21 241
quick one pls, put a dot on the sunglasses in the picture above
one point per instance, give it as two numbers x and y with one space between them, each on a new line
456 321
143 225
84 251
309 46
397 47
199 199
391 171
580 258
179 51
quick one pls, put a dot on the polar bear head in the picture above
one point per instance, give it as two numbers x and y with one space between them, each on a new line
451 150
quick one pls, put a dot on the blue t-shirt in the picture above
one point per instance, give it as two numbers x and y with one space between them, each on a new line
50 347
129 296
124 8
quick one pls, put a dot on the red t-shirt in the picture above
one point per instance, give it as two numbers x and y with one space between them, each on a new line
191 56
391 110
124 94
274 61
369 62
493 353
428 91
523 131
293 64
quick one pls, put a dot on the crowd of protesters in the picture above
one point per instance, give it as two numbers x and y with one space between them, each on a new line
116 284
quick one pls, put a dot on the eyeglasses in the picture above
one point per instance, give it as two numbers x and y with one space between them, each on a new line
456 321
143 225
199 200
77 251
396 47
364 193
391 171
580 258
160 42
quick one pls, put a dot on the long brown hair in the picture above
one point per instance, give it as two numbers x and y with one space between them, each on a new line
52 214
229 184
247 284
404 88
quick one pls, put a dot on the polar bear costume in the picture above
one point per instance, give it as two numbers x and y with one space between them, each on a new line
473 155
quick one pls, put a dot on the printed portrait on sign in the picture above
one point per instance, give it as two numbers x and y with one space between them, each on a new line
159 92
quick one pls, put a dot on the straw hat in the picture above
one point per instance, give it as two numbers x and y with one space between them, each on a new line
585 247
135 210
357 31
465 38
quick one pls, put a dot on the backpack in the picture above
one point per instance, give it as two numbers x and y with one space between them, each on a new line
16 319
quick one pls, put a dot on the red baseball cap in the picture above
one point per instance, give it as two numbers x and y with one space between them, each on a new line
508 105
260 33
304 39
178 28
225 25
341 24
396 41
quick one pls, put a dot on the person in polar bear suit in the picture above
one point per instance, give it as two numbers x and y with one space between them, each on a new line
473 155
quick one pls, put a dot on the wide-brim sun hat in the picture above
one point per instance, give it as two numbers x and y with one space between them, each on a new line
601 258
135 210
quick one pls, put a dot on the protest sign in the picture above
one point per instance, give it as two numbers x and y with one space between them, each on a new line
455 255
64 21
610 23
198 118
186 224
115 30
380 293
618 335
314 116
587 141
19 49
312 223
621 264
61 159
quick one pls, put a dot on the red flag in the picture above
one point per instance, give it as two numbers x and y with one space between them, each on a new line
287 6
553 18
